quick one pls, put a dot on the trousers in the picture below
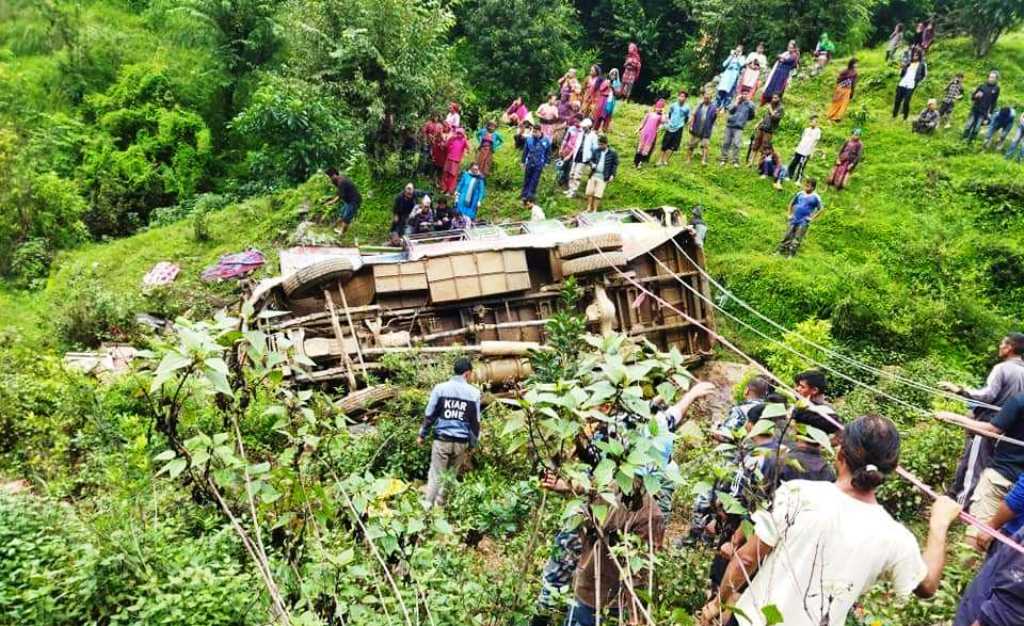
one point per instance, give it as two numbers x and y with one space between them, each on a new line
731 144
444 456
796 166
902 102
531 180
556 577
792 239
974 120
575 175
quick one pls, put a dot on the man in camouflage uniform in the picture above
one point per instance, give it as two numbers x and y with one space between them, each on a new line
560 568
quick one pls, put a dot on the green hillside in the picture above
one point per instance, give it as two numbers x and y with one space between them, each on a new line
913 260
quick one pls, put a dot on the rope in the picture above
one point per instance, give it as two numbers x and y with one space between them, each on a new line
838 355
811 360
903 473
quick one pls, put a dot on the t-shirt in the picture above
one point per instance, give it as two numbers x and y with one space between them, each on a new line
829 548
347 192
909 80
404 206
1008 458
808 140
805 205
1015 501
678 114
761 59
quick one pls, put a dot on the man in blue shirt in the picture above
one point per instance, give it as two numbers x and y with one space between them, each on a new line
701 127
678 115
453 412
996 595
536 152
805 207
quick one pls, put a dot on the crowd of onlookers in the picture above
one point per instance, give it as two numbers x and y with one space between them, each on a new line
567 133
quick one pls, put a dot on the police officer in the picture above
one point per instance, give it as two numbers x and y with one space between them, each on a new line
454 414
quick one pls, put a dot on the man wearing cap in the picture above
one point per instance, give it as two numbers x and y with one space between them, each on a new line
453 412
581 156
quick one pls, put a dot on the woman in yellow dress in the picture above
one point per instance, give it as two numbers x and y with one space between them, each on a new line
845 84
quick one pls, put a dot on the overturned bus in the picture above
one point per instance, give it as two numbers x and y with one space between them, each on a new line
488 292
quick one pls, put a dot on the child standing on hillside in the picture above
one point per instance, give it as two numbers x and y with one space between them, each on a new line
804 149
804 208
954 92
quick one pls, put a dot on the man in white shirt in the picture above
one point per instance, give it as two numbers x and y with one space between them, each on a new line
822 545
536 212
804 150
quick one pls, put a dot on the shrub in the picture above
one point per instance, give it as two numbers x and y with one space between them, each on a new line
784 363
88 313
524 57
291 129
30 263
154 152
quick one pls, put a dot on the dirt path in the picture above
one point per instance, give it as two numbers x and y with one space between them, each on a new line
724 375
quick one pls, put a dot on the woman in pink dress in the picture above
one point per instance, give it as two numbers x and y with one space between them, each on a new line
547 113
630 71
516 113
569 93
750 79
456 149
648 133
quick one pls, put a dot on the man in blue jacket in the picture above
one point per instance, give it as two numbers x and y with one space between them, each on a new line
536 153
453 412
996 595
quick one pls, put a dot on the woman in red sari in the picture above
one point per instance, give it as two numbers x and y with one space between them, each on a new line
602 91
455 150
630 71
849 156
588 90
432 158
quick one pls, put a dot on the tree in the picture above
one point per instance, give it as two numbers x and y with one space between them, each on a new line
984 21
517 47
725 23
291 129
385 61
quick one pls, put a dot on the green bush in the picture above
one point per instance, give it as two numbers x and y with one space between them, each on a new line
56 568
30 263
154 152
89 313
291 129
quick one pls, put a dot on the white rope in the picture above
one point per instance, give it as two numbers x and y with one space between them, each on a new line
838 355
813 361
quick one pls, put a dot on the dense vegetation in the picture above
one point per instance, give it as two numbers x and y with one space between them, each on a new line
135 131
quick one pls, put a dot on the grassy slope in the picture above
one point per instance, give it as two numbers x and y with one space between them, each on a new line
903 228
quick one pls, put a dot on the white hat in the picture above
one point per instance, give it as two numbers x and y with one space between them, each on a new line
426 200
586 123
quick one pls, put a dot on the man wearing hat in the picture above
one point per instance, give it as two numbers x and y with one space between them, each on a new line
583 154
453 412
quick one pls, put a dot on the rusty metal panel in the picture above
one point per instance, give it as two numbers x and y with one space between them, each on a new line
475 275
